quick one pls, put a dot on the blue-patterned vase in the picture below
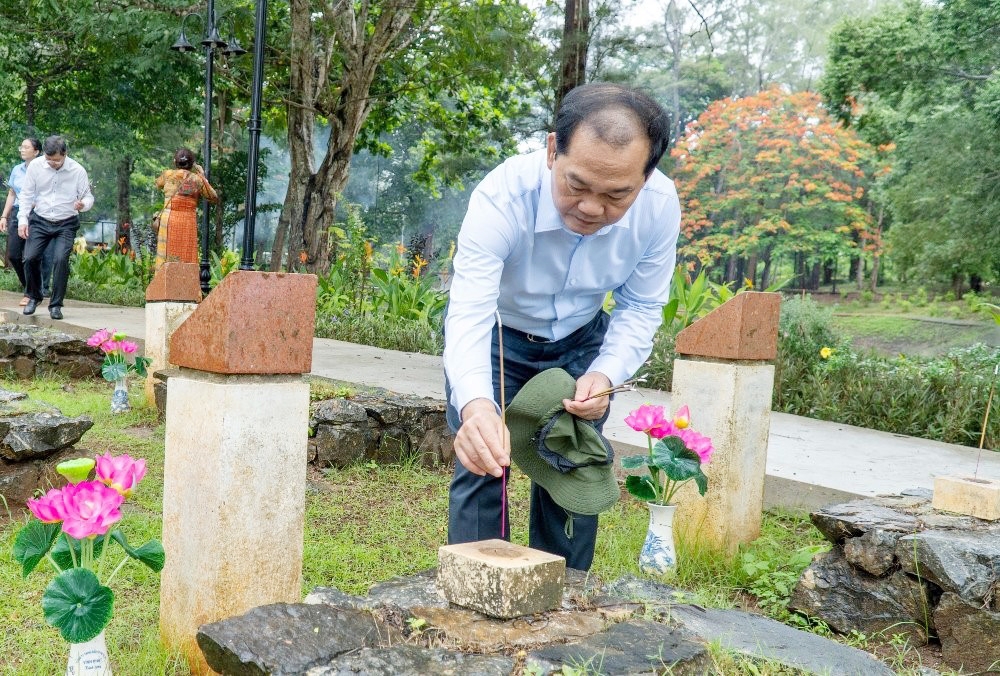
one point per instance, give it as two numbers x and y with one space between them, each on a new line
658 554
119 399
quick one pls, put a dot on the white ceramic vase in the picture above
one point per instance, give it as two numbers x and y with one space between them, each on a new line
658 554
89 659
119 398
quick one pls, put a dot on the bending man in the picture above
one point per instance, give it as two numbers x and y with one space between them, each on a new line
546 236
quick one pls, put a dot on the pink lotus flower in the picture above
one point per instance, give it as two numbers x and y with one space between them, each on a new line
98 338
698 443
110 346
49 508
121 473
91 509
128 347
649 419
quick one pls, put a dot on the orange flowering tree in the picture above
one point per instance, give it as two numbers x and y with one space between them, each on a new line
768 176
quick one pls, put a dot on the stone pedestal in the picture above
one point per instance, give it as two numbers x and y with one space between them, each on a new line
235 468
968 495
171 297
723 376
501 579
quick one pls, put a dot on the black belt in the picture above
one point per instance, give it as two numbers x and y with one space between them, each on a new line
531 338
57 224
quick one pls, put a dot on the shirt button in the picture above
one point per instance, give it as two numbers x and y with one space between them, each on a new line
572 282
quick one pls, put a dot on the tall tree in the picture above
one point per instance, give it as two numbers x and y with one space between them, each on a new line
923 79
382 63
766 176
573 50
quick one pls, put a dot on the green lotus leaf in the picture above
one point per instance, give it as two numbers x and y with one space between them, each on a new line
33 542
641 487
78 605
676 460
634 461
62 557
151 553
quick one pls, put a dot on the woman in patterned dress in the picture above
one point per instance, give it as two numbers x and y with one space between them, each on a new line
177 239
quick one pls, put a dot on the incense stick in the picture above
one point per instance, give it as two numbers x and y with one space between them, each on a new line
503 434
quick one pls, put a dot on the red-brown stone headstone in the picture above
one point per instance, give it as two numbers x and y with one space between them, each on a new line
251 323
175 282
743 328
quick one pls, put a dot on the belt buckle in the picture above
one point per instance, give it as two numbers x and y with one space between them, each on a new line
536 339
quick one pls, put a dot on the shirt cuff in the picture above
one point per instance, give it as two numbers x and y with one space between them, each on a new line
462 395
612 368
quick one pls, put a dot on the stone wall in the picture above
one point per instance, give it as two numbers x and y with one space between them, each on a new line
27 351
899 567
384 428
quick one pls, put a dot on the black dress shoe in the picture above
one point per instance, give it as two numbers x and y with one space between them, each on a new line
55 312
29 309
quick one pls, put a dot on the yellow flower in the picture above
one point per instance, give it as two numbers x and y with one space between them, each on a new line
80 245
747 283
826 352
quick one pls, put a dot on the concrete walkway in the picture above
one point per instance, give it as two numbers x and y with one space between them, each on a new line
810 462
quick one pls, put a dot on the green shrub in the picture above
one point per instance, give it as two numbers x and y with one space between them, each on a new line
919 297
867 296
803 331
949 297
391 333
905 306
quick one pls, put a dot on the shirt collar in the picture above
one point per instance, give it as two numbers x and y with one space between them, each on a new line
547 218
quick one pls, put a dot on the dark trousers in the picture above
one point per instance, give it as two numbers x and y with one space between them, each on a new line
474 502
15 255
41 233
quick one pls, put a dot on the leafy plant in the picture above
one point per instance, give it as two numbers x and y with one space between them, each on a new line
72 531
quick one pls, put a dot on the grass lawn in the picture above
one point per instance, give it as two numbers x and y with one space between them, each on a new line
364 524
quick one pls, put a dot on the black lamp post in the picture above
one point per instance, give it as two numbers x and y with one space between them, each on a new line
212 43
250 219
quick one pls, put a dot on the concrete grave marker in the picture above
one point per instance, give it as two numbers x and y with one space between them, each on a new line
501 579
171 297
968 495
237 423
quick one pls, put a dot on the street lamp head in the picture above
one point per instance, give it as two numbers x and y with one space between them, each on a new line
182 44
234 48
214 40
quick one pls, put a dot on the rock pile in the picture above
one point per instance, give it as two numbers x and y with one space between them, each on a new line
899 567
27 351
404 627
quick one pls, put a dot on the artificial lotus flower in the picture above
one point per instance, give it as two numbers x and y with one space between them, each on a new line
683 418
100 337
49 508
128 347
122 473
698 443
649 419
91 508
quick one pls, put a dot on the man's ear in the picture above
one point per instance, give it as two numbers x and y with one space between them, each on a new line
551 149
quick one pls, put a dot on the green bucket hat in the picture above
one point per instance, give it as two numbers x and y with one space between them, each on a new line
563 454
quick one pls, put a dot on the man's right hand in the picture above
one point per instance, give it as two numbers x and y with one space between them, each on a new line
482 443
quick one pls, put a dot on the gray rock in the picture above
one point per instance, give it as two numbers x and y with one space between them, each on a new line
847 598
970 635
337 412
637 647
20 480
408 660
852 519
7 396
38 435
410 592
284 638
340 445
966 563
873 552
765 638
332 596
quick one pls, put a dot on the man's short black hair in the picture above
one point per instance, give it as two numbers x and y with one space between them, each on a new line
600 105
54 145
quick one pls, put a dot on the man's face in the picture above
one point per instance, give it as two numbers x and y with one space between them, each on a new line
55 161
594 183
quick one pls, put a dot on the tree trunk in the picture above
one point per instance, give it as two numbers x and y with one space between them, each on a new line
575 43
876 253
123 231
674 37
765 276
30 104
308 211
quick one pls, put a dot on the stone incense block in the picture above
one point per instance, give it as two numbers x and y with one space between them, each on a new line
967 495
500 579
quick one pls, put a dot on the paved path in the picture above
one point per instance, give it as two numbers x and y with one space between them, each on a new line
809 462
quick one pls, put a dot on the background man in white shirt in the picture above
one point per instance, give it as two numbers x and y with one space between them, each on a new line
55 190
546 236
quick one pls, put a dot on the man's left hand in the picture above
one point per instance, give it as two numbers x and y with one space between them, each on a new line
581 405
78 205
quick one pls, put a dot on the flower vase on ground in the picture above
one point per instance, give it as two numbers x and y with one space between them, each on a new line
89 658
119 398
658 555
